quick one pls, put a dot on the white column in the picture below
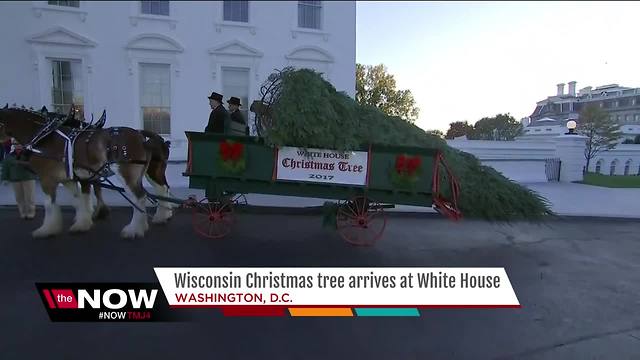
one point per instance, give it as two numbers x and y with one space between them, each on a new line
570 150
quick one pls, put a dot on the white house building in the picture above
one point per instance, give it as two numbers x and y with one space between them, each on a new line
152 64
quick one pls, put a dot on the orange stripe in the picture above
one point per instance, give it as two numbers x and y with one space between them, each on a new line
320 312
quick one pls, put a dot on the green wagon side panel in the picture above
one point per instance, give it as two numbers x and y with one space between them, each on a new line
205 173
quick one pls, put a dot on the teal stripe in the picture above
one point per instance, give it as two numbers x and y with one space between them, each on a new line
387 312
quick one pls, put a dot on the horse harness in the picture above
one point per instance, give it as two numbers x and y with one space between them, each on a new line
116 148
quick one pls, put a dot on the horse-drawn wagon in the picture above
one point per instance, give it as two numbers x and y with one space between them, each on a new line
364 181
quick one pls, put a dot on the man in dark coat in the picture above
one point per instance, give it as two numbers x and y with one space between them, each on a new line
219 117
238 123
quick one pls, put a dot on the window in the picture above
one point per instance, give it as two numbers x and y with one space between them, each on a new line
612 169
235 82
627 118
618 118
65 3
236 11
155 7
309 14
637 117
66 87
155 98
633 102
627 166
599 167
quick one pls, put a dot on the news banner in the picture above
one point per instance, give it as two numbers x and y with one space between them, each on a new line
291 292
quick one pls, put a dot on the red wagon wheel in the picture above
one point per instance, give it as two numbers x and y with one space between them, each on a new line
361 221
213 219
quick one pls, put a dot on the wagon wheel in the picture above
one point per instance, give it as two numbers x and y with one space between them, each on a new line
361 221
213 219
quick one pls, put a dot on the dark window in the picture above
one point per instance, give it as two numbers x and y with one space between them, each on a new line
155 7
577 107
309 14
236 11
65 3
612 169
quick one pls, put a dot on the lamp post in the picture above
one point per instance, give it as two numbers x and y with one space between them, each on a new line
571 126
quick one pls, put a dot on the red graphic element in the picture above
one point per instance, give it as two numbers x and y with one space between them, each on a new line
407 165
231 151
65 298
47 295
254 311
435 306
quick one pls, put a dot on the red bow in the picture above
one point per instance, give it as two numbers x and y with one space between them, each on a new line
231 151
409 165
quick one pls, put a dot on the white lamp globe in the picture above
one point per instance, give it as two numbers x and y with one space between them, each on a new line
571 125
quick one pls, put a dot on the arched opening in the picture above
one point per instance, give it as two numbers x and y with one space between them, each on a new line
599 166
612 169
627 167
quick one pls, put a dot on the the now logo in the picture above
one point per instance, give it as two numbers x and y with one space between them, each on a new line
116 298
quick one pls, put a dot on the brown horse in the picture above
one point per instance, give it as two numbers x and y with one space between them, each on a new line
56 160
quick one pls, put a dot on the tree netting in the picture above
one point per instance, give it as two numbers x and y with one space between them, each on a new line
300 108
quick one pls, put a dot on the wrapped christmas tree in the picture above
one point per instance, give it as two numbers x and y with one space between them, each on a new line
300 108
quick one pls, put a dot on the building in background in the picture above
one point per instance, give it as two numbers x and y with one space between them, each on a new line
551 115
152 64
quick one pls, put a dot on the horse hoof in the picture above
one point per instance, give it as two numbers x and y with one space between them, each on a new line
80 228
40 233
128 233
160 221
101 214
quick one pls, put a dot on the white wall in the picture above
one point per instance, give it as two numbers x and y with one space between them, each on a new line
111 38
622 153
523 160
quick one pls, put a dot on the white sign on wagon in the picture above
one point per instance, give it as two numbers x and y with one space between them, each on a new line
324 166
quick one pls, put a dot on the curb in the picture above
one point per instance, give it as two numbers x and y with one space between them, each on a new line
318 210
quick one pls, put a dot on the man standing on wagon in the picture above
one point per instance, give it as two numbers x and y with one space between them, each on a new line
219 117
238 123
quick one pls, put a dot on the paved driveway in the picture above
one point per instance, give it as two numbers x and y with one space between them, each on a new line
578 282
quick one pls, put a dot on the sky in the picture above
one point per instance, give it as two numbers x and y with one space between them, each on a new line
469 60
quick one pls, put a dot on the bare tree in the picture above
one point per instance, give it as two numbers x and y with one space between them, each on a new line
601 131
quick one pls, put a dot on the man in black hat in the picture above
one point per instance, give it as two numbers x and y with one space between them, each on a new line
238 123
219 117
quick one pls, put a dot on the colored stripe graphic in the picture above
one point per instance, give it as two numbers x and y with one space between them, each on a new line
47 295
387 312
320 312
253 311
